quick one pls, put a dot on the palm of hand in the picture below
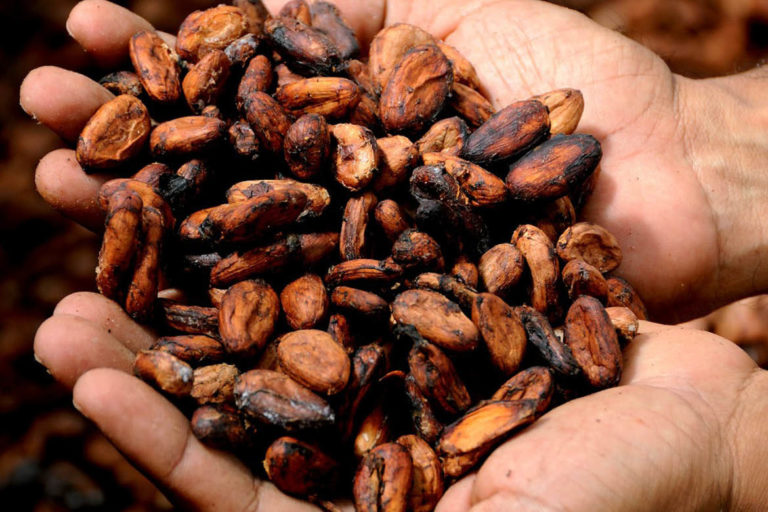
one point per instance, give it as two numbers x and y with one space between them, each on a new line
632 105
602 450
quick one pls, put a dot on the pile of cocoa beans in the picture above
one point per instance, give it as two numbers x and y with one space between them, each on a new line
378 276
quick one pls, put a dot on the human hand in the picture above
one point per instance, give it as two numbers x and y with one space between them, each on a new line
677 186
684 430
520 48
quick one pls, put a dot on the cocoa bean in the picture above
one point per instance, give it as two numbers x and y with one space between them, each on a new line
416 90
120 244
165 372
307 146
247 317
436 318
415 250
214 384
360 74
356 156
122 82
254 12
318 198
331 97
374 430
269 121
423 417
242 50
565 108
298 10
554 169
383 479
463 70
446 136
305 49
258 77
212 29
219 426
508 133
115 134
190 319
391 219
534 383
246 220
481 187
274 399
624 321
592 339
299 468
450 286
472 436
305 302
205 81
581 278
465 271
364 271
435 375
470 105
157 66
243 140
389 46
551 348
501 330
621 293
142 290
540 257
186 136
340 331
591 243
397 157
359 302
306 250
354 225
500 269
313 358
427 484
193 349
327 19
367 365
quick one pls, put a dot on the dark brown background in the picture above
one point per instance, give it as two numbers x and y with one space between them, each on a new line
51 458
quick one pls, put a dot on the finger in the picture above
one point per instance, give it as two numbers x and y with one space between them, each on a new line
109 316
437 18
70 345
64 185
151 432
365 18
62 100
646 327
270 498
458 497
585 455
169 39
677 354
103 29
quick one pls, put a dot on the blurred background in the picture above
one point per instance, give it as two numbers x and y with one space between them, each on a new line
51 459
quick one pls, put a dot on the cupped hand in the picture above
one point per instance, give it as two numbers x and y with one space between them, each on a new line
676 435
662 208
631 448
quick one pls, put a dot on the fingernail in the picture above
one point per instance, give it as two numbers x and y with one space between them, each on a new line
69 29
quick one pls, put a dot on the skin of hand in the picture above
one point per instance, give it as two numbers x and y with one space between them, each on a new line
681 433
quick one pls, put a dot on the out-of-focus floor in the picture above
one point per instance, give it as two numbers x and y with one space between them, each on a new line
53 460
